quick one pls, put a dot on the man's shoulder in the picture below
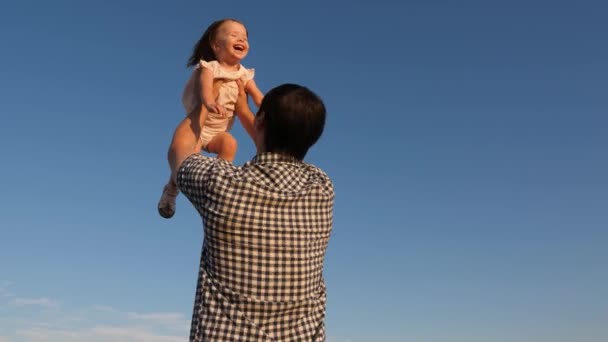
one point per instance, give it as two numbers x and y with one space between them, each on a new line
317 171
320 177
202 168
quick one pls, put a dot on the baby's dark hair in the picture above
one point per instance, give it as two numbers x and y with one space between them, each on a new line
202 49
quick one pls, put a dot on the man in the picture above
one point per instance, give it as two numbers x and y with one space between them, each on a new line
267 224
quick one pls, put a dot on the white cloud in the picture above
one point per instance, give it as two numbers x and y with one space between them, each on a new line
39 324
170 319
167 320
161 317
4 289
133 334
96 323
45 302
104 308
44 334
95 334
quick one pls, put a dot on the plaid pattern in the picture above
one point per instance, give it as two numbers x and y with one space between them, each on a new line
267 225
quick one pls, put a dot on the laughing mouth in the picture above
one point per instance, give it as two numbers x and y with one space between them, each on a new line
240 48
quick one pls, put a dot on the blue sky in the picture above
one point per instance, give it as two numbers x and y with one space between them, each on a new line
466 140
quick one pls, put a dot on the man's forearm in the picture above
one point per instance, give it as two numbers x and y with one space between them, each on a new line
246 117
243 111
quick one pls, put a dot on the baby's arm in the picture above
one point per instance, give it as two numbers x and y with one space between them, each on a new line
252 89
207 92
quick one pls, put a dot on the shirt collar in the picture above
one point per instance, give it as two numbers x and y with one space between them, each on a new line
271 158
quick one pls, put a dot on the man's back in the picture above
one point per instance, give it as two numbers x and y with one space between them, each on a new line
267 225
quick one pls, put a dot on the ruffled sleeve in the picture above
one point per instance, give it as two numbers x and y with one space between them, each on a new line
248 74
213 65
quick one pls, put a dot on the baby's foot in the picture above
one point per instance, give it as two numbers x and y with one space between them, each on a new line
166 205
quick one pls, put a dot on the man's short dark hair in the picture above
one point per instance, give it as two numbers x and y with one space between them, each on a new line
293 118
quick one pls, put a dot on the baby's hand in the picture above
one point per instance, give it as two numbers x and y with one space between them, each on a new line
215 108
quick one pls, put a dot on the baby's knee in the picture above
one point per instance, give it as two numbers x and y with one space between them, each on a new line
228 146
229 143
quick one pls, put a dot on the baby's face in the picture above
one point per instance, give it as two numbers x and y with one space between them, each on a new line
231 44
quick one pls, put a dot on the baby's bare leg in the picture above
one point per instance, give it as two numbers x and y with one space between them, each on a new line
166 204
224 145
190 126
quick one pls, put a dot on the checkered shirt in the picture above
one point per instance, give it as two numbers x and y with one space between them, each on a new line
267 225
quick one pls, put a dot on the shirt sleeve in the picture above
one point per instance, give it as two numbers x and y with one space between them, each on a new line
193 176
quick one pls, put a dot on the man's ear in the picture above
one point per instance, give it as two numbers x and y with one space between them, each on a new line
258 122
